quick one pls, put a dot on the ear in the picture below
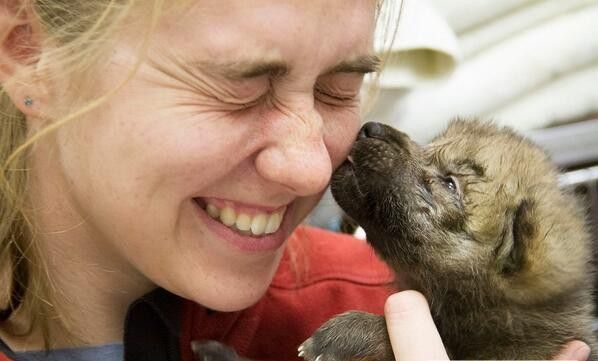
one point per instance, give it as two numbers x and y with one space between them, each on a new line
517 238
20 44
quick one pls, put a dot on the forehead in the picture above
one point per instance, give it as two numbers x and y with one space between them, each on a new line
306 31
502 154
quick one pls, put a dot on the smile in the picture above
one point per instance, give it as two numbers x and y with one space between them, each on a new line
256 224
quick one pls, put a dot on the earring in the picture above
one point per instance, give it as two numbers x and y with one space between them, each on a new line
28 101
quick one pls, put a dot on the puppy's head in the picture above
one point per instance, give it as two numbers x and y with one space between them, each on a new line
478 203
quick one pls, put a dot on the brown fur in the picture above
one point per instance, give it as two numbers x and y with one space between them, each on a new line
503 259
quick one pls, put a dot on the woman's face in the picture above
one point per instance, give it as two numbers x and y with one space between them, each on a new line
199 169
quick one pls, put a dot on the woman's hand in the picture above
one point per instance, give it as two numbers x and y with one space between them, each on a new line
574 350
414 336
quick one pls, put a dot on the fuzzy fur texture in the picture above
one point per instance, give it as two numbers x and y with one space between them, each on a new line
475 221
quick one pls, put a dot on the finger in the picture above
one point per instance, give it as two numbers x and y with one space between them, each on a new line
412 331
574 350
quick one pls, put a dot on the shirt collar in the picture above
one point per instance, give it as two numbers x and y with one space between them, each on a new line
152 328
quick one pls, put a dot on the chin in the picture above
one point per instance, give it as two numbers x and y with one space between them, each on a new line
231 291
231 299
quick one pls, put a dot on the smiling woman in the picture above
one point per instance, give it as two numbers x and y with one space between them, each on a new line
128 166
157 158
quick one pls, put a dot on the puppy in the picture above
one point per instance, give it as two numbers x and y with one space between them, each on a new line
476 222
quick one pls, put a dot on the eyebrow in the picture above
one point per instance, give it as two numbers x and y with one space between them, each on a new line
252 69
363 64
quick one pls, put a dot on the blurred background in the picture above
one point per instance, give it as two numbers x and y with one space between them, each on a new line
529 64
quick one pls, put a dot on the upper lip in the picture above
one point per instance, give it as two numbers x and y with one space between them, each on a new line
248 207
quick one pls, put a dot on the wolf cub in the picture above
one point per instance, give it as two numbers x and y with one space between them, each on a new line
476 222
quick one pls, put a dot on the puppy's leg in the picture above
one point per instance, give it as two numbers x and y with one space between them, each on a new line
213 351
351 336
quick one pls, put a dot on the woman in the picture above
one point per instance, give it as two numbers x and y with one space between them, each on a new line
170 144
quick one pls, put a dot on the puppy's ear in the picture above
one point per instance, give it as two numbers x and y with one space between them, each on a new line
517 238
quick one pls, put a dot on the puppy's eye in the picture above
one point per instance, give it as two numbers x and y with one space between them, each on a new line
450 183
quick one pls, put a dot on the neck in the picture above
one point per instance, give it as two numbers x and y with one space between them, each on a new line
94 295
91 284
89 295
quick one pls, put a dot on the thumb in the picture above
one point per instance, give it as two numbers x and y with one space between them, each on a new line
574 350
412 332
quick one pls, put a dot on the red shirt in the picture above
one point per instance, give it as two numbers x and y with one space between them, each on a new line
331 273
321 274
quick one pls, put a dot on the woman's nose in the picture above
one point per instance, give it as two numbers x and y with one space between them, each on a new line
296 156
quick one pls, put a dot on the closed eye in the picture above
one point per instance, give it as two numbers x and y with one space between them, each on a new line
251 103
334 99
245 103
339 88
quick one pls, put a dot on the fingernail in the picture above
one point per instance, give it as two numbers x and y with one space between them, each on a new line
582 353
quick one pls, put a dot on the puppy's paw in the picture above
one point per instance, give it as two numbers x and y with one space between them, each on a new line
351 336
213 351
312 350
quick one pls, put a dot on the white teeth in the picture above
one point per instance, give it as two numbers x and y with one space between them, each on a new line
228 216
243 222
213 211
258 224
273 223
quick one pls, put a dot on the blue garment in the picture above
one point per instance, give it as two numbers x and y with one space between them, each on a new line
151 333
108 352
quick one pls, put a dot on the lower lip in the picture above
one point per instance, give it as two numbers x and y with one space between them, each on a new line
265 243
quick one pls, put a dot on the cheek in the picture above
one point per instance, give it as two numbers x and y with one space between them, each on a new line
341 129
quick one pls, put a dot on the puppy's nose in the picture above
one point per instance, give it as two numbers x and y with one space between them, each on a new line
372 130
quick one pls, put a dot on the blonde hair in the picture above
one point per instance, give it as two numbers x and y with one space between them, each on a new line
76 35
79 33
